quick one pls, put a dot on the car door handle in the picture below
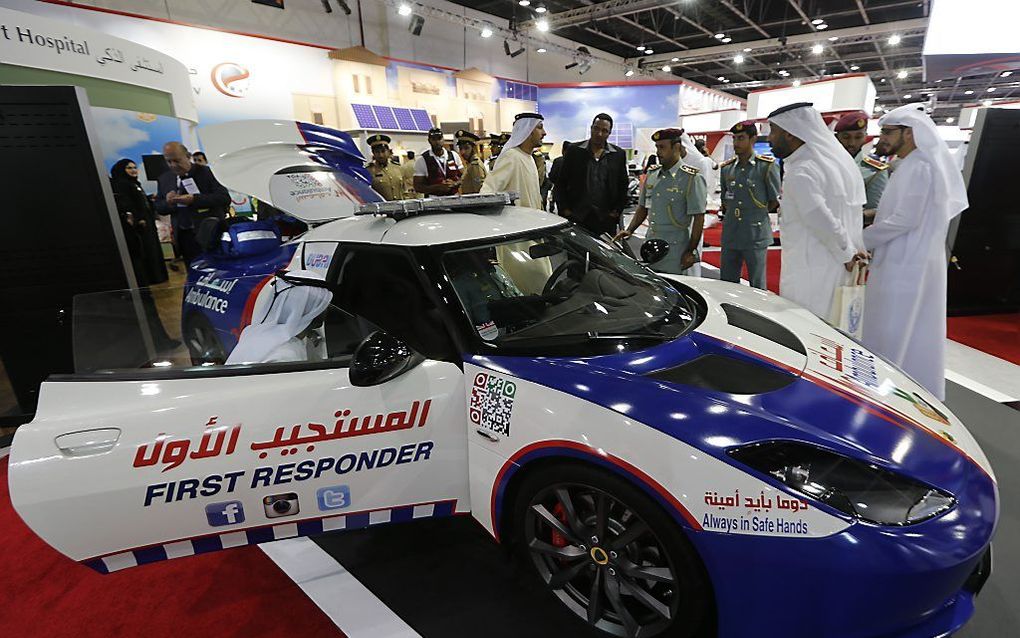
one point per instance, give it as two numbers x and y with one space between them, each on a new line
88 442
488 435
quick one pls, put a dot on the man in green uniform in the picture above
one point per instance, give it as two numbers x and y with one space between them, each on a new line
387 179
851 131
749 191
674 200
474 168
496 142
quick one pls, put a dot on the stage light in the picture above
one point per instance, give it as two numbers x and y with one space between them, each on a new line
894 39
855 68
987 103
817 49
882 80
674 59
540 9
822 27
726 81
629 73
542 25
404 9
524 3
641 47
726 40
796 83
540 50
968 92
991 89
817 21
950 120
739 59
747 49
907 96
649 52
326 7
720 36
721 78
901 75
486 31
512 54
833 38
667 68
415 25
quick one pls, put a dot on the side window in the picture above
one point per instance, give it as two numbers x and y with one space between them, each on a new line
382 286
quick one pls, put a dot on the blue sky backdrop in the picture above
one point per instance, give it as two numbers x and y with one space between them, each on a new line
568 112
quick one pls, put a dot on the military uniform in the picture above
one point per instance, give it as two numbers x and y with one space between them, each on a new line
673 196
746 188
474 169
876 176
387 180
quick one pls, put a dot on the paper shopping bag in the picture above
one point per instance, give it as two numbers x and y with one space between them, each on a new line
848 302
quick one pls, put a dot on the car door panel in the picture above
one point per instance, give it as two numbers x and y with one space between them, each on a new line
127 471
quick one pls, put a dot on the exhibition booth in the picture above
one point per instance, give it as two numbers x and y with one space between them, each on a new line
411 417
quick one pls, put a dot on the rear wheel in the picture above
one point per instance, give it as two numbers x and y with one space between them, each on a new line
203 343
610 554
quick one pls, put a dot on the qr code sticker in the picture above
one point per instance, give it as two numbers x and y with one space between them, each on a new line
492 402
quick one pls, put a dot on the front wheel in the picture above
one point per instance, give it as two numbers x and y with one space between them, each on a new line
204 345
610 554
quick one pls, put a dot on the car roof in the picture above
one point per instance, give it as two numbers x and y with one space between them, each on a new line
436 227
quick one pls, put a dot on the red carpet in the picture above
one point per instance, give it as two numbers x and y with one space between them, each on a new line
236 592
997 335
772 268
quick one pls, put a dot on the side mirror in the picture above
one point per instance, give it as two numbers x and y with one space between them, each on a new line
653 251
381 357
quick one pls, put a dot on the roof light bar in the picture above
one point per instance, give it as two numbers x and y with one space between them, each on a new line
403 209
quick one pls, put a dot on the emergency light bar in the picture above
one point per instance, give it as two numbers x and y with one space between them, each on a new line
403 209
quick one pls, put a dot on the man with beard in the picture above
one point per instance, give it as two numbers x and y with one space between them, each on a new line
851 131
515 169
437 171
905 300
592 184
474 169
821 207
189 193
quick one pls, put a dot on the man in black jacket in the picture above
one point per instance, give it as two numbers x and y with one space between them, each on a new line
189 193
591 188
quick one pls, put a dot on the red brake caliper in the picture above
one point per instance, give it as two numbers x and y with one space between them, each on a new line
558 540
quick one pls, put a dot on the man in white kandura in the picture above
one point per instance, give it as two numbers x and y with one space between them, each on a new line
820 213
289 328
905 300
515 169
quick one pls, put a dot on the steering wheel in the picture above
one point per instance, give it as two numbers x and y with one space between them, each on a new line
554 277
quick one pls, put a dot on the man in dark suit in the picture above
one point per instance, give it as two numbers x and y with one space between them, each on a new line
591 188
189 193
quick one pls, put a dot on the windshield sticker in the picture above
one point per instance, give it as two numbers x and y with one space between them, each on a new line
492 402
488 331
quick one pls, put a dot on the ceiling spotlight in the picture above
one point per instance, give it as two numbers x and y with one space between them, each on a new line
950 120
894 39
987 103
404 9
855 68
629 72
512 54
991 89
649 52
542 25
817 49
901 75
726 40
882 80
796 82
747 50
817 21
667 68
726 81
907 96
833 38
674 59
540 50
721 78
641 47
738 58
968 92
720 36
822 27
486 31
540 9
1006 74
524 3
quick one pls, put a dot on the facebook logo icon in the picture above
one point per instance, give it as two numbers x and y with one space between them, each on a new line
227 513
333 498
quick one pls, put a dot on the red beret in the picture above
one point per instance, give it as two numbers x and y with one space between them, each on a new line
747 126
856 121
667 134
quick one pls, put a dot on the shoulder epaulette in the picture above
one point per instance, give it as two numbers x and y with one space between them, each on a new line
729 161
764 158
874 163
689 169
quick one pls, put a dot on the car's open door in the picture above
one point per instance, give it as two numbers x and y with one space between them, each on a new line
128 466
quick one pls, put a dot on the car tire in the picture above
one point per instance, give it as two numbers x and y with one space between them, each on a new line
203 343
558 513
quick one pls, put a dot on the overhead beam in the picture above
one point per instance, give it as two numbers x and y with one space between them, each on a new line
608 9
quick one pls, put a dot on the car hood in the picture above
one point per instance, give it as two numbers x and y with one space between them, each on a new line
836 394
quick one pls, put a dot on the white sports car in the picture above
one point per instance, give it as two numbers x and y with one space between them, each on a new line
672 456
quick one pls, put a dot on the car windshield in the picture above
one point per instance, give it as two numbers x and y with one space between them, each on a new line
563 284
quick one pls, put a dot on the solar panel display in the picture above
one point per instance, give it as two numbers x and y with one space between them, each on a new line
404 119
366 118
386 119
421 119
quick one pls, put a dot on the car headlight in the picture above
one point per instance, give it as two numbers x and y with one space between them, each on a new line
859 489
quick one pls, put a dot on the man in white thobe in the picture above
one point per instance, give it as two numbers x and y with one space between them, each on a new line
821 208
905 300
515 168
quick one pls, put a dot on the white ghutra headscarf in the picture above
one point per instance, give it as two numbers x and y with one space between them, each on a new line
842 177
950 191
291 311
524 124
